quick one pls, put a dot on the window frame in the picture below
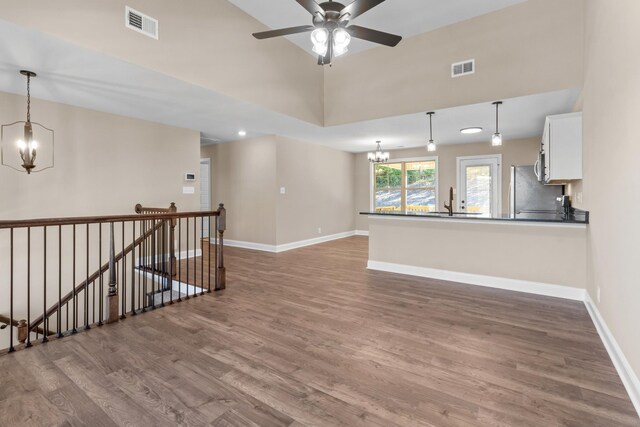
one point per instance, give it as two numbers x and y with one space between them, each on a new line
372 182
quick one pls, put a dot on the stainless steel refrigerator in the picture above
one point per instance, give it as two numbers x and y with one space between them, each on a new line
527 196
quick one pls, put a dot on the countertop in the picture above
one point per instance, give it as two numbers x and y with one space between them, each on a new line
577 217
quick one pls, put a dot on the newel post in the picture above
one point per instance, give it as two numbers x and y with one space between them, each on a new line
222 226
112 297
172 243
22 331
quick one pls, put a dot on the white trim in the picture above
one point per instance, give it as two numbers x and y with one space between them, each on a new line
287 246
488 221
372 186
546 289
625 371
176 285
362 232
248 245
179 255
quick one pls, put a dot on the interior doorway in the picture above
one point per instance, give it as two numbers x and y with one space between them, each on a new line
205 191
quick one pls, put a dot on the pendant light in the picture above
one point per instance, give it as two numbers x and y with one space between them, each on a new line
431 146
496 139
31 139
378 156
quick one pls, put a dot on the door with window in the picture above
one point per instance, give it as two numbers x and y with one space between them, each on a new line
479 185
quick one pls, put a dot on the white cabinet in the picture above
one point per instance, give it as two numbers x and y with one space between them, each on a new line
561 149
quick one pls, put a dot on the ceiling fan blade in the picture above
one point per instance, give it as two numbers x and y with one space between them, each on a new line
359 7
283 32
311 6
374 35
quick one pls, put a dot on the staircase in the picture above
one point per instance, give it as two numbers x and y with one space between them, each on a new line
157 256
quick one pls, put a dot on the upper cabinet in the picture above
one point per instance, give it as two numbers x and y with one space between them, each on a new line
561 149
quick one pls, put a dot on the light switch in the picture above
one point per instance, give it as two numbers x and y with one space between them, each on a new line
188 190
283 190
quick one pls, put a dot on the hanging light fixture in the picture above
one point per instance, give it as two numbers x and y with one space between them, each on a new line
31 140
341 40
378 156
431 146
496 139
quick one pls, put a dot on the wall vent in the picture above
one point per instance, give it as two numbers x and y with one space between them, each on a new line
141 23
463 68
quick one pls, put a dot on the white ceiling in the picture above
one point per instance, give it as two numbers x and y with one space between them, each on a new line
73 75
405 18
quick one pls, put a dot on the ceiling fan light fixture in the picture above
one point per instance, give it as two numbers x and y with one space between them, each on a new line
341 41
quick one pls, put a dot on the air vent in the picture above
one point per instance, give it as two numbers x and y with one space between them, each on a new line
463 68
141 23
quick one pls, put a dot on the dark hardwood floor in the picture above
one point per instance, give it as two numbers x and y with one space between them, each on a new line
310 337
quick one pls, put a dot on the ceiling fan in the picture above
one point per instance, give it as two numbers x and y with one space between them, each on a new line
331 32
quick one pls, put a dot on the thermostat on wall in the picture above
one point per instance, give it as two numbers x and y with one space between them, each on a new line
189 176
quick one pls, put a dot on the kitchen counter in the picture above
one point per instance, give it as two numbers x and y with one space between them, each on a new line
578 216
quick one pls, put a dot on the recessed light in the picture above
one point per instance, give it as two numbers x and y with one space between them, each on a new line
242 133
471 130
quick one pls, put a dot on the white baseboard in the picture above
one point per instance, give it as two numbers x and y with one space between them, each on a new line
362 232
546 289
287 246
626 373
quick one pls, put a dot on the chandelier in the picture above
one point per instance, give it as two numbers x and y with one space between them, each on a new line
378 156
23 141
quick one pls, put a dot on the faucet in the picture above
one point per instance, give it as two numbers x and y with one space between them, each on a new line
449 207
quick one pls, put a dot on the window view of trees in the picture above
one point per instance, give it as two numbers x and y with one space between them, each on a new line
406 186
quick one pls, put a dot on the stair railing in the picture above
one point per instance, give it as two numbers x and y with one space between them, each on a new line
41 261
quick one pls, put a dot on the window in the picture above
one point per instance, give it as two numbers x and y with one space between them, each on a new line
405 186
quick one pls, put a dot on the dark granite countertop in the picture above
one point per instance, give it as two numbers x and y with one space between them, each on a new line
577 216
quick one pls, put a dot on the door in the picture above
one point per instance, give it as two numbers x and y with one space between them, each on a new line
479 185
205 191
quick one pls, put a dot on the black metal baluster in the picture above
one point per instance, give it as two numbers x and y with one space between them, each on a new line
123 292
45 326
75 294
153 264
100 279
29 287
215 239
179 259
209 254
163 279
11 348
187 281
144 275
140 262
195 258
133 269
59 281
86 286
171 266
202 255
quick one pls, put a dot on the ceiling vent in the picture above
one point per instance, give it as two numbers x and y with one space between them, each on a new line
141 23
463 68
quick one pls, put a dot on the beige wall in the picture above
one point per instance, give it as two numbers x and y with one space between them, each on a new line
612 178
516 152
247 176
529 48
494 249
319 183
204 42
243 177
104 164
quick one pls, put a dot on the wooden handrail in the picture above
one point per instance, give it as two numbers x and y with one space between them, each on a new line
21 323
48 222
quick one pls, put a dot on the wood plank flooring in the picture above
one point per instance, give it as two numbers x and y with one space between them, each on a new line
310 337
